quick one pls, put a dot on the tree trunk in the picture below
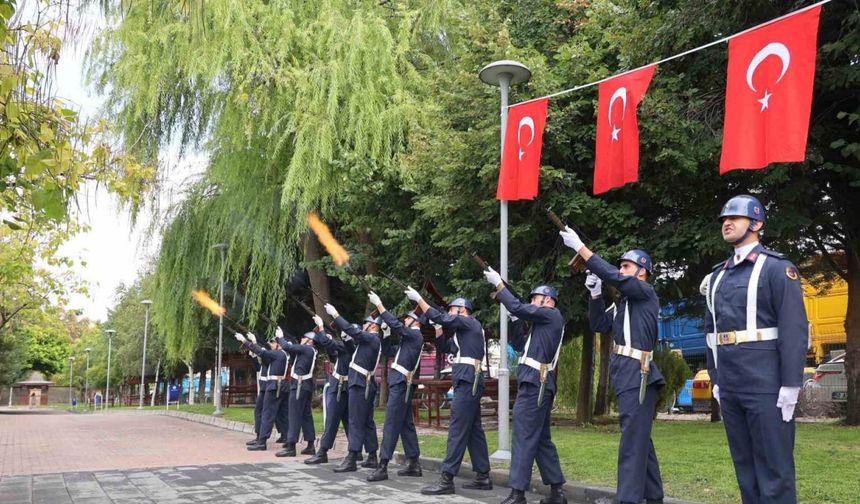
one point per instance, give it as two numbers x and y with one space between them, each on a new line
601 404
586 379
852 336
155 390
190 383
201 387
316 275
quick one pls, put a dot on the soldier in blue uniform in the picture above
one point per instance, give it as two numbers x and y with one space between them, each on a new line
361 390
757 340
465 429
304 357
335 394
398 412
535 389
273 377
257 362
635 377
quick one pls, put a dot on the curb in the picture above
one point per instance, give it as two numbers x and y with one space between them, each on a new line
574 491
209 420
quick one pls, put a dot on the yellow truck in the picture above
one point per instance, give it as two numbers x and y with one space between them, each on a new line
826 312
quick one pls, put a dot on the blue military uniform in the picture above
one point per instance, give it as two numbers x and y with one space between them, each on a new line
398 414
759 345
336 411
365 358
634 328
274 385
531 431
257 362
465 429
301 388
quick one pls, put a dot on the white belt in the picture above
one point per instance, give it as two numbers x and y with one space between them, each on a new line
303 377
359 369
402 370
466 360
633 353
337 376
264 378
536 364
744 336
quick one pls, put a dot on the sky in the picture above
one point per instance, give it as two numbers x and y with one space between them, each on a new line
113 249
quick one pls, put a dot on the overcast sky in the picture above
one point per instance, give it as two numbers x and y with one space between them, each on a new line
113 249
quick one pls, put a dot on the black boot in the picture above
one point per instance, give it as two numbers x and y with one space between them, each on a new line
556 496
321 457
288 451
260 446
281 439
445 485
413 468
481 482
381 472
516 497
371 462
252 442
309 450
347 464
358 457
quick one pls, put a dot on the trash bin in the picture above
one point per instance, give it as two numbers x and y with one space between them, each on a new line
173 393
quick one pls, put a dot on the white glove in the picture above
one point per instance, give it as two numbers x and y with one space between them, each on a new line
703 287
386 331
412 294
493 277
331 310
345 337
374 299
571 239
437 327
318 321
716 393
279 333
252 338
239 338
787 400
594 285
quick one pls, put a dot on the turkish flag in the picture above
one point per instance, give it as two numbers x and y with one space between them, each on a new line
769 93
518 176
616 156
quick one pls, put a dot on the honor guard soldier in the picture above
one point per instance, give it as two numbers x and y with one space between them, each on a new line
757 339
535 390
361 390
257 362
465 429
398 413
335 400
304 356
273 377
635 377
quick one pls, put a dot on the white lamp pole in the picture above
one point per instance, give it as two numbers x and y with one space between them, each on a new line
87 378
216 380
503 74
145 303
71 376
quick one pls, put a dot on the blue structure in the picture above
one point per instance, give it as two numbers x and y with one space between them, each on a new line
682 327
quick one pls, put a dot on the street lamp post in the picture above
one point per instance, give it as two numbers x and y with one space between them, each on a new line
87 378
110 333
216 380
71 376
145 303
503 74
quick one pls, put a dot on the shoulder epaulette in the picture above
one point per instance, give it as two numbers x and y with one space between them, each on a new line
772 253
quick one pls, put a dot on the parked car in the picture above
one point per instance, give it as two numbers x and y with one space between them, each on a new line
701 392
826 393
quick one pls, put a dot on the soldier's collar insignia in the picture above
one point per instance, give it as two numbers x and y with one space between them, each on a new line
791 272
752 256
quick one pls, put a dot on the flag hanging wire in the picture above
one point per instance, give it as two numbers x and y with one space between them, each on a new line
670 58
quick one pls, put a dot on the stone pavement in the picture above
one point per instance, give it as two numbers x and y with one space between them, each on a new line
267 482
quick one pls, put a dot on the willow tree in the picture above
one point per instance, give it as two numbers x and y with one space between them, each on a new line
296 103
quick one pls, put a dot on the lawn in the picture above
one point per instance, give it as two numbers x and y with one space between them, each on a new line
694 456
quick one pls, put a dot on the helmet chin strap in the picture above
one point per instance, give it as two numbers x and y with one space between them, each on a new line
745 235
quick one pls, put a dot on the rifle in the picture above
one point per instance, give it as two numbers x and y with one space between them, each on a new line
484 266
577 263
402 286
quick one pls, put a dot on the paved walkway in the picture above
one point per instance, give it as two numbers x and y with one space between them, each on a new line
141 458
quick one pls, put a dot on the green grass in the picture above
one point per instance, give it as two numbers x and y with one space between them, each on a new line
694 456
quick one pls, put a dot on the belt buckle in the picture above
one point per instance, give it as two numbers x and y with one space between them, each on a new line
727 338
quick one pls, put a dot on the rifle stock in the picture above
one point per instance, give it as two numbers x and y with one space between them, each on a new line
484 266
577 263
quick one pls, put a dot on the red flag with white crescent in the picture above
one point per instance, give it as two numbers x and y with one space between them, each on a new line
616 155
518 175
769 93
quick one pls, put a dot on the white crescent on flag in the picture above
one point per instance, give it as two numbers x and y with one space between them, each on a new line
619 94
530 124
772 49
